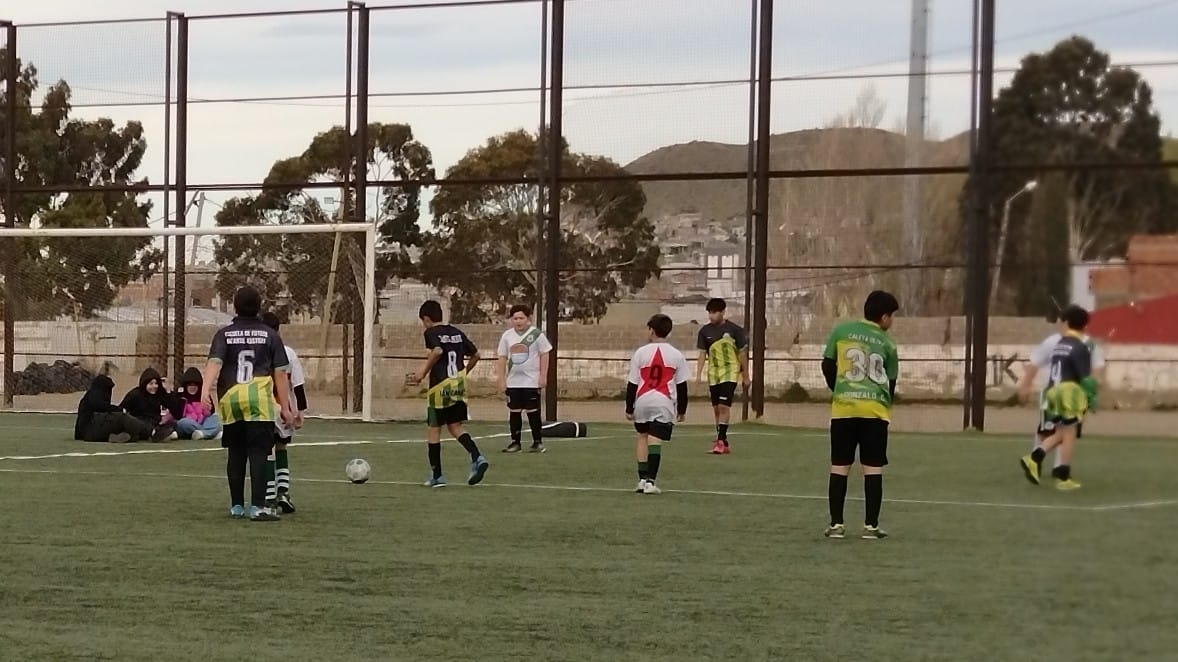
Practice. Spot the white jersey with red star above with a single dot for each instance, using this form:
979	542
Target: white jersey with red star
657	369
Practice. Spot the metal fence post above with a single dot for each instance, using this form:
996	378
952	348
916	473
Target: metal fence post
10	80
180	295
553	240
761	244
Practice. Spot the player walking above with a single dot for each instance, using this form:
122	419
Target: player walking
1069	395
278	471
521	369
248	365
451	357
861	366
723	354
1039	364
656	397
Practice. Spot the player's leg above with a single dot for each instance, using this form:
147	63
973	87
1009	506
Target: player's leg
642	454
722	406
659	432
515	421
715	395
842	455
433	445
455	417
261	447
237	447
282	474
873	455
1063	472
535	422
271	479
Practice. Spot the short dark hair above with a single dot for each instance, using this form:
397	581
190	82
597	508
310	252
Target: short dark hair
660	324
878	304
717	305
1075	317
271	320
247	301
520	308
431	310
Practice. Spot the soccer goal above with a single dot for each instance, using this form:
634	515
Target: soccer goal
80	302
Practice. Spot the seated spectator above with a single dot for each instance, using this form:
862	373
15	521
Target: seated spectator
100	421
148	402
194	423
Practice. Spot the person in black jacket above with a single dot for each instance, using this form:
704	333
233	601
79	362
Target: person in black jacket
99	420
148	402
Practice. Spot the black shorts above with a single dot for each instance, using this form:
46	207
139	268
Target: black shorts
869	435
656	429
722	394
250	434
279	439
523	399
1046	429
455	413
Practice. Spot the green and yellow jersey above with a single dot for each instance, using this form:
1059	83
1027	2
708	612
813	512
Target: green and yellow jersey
723	344
867	364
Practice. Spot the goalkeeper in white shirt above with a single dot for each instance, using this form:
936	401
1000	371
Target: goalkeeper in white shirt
1035	375
522	369
278	471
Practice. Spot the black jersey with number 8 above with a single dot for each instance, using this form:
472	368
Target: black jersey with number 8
447	377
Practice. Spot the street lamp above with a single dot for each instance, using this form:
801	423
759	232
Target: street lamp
1002	232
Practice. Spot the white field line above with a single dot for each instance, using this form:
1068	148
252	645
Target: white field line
620	490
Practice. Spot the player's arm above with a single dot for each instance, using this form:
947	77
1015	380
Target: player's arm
632	389
742	349
471	352
830	364
545	357
681	380
281	377
892	367
218	352
701	365
430	359
298	382
501	363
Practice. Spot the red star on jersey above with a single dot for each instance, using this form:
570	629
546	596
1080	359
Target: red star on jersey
657	375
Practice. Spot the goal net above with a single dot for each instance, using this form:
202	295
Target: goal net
87	301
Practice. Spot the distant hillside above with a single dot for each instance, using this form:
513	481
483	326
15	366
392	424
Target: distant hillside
823	232
810	149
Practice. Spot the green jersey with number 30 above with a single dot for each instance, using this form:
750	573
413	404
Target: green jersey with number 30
867	362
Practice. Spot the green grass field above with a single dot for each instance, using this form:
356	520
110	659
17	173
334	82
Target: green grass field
131	555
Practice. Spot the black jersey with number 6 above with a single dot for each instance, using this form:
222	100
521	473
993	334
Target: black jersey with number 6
249	353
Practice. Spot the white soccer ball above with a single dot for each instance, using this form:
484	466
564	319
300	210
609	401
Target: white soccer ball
358	470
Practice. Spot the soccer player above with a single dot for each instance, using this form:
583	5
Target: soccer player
861	367
278	471
1039	364
522	368
1070	390
723	353
656	397
451	357
248	365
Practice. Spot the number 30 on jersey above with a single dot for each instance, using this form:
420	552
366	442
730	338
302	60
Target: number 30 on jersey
864	365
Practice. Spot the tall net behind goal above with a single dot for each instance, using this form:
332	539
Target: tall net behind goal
87	301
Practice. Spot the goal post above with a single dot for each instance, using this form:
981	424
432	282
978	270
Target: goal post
85	301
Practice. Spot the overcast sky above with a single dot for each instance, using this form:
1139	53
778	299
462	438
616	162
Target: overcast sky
419	53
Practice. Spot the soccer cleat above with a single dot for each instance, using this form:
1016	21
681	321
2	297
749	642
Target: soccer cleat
651	488
237	512
835	531
513	447
262	515
197	435
641	486
873	533
478	469
1067	485
440	481
285	503
717	448
1031	469
538	447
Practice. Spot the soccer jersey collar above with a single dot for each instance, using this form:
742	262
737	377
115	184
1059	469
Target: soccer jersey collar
874	324
1079	335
